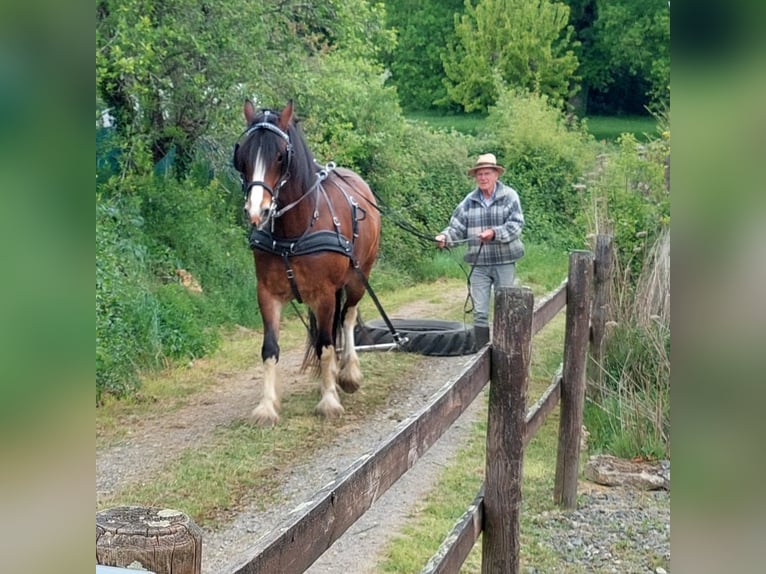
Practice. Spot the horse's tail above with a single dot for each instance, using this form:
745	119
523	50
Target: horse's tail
311	356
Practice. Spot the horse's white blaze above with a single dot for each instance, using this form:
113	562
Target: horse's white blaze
253	203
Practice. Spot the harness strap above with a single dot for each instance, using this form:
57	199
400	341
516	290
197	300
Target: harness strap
291	277
312	243
398	339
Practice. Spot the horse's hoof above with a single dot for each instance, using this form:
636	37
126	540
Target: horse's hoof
348	385
330	408
350	378
265	416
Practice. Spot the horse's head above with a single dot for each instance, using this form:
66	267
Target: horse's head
263	158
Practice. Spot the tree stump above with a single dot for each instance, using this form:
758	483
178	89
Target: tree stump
160	540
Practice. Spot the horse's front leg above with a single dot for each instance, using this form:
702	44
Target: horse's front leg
329	405
267	411
350	376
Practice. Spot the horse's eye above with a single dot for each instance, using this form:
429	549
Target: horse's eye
280	157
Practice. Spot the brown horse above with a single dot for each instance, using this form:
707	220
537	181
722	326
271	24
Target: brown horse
315	236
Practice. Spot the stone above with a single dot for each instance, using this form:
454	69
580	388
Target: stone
610	470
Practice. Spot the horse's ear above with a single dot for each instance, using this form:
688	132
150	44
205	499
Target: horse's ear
249	111
286	116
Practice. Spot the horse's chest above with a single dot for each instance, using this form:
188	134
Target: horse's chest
312	275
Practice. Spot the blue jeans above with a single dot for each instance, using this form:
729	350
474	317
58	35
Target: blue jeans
482	280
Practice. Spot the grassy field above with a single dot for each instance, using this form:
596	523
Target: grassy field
464	123
607	128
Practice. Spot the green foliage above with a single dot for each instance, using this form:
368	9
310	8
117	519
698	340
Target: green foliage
627	199
631	46
148	229
423	30
630	411
181	323
518	43
192	227
544	158
353	119
124	309
631	414
422	187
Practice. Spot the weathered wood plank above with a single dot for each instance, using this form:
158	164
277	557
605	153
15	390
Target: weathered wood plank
318	523
539	412
602	272
548	307
459	543
573	382
511	350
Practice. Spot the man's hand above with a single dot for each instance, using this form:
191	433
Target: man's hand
441	241
487	235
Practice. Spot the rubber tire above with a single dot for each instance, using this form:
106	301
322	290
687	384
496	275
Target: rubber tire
430	337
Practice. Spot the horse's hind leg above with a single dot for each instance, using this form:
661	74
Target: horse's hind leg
267	411
350	376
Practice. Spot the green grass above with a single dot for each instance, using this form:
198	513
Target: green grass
607	128
610	128
470	124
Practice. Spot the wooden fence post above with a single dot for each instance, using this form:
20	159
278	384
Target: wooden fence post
511	345
161	540
602	269
573	382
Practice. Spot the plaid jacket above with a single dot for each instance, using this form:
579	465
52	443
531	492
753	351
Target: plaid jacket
504	215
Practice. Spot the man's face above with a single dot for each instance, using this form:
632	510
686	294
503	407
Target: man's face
486	179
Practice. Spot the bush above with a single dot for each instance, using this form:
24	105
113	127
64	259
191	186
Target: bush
125	335
184	328
544	157
151	230
191	226
628	199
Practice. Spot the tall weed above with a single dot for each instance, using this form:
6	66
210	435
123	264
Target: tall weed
628	413
629	194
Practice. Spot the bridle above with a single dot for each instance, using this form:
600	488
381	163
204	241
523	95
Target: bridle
284	176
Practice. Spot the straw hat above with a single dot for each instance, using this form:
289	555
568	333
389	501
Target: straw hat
487	160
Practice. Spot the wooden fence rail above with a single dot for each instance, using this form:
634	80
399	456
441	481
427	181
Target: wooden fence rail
495	511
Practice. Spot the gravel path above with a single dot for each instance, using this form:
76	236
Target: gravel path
613	530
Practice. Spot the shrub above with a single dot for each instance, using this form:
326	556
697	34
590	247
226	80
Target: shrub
544	157
124	305
628	199
184	328
191	226
148	228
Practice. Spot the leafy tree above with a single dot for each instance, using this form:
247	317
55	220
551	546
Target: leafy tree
520	43
173	72
628	56
423	30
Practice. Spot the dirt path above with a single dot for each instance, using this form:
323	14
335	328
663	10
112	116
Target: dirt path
151	443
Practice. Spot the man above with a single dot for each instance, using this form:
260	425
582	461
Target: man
489	219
